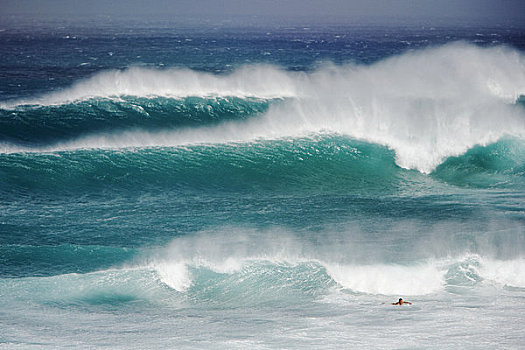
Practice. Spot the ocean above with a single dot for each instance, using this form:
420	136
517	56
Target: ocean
261	186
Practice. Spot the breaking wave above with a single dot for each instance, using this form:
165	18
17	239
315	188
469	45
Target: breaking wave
426	105
324	164
242	271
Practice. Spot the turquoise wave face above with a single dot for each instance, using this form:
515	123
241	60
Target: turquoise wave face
40	125
499	165
323	164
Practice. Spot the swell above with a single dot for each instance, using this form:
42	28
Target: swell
426	105
321	164
41	125
317	165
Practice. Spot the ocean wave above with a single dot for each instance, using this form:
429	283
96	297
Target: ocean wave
426	105
289	261
314	278
262	280
105	288
255	81
320	164
234	266
325	164
47	125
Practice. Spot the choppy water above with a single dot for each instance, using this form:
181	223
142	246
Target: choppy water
261	187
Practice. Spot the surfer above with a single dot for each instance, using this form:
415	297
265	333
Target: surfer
401	302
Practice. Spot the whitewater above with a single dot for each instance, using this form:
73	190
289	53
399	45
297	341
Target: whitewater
278	196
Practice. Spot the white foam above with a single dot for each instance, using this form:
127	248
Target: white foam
389	279
173	274
259	81
504	272
426	105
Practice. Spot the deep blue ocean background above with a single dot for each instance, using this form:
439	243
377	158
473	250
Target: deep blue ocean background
261	186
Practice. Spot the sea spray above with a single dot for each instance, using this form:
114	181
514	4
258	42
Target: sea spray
235	255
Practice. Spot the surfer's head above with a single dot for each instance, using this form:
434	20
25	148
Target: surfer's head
401	302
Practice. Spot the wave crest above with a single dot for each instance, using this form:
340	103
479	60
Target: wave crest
282	261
